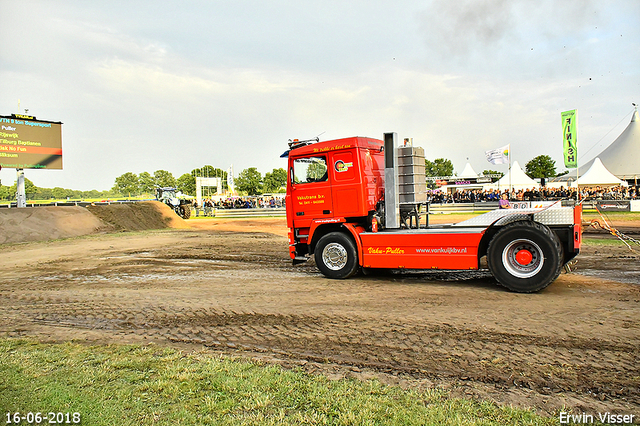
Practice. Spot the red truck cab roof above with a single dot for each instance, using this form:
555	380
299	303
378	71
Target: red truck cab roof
337	144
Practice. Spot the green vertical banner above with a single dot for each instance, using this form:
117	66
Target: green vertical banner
570	138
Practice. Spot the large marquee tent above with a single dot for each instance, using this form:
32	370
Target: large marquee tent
621	158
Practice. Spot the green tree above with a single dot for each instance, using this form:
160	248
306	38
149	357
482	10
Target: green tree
211	172
187	184
127	184
493	172
59	193
43	194
541	167
164	178
439	167
249	181
4	192
29	189
147	183
94	193
274	181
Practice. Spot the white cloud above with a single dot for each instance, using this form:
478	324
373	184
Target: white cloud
143	86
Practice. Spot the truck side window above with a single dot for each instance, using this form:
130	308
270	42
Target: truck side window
310	169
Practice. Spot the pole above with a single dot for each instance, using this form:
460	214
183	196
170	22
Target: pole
510	189
577	162
21	196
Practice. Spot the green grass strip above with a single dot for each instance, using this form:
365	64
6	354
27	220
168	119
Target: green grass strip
604	242
151	385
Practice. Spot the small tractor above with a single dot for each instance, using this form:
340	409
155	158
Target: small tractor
168	196
354	205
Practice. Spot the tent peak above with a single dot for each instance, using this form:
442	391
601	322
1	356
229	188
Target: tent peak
468	171
598	174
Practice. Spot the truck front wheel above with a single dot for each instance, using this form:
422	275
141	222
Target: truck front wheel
336	255
525	256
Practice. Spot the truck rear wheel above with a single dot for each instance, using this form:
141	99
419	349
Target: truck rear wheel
525	256
336	255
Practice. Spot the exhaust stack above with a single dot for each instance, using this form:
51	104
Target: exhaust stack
391	201
405	188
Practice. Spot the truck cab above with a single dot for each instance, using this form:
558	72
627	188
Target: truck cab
332	182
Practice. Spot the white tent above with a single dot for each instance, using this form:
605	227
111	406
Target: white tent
468	172
599	175
518	180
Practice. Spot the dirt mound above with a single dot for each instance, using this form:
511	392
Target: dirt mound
138	216
47	223
50	223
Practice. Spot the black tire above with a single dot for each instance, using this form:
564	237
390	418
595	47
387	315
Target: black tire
185	211
336	256
525	256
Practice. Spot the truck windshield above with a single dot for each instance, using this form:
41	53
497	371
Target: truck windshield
310	169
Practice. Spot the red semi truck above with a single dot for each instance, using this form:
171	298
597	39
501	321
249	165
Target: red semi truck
356	204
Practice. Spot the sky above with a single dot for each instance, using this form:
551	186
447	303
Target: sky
149	85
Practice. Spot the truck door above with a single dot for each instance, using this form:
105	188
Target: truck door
346	186
310	190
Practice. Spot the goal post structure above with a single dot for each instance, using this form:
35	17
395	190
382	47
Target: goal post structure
207	182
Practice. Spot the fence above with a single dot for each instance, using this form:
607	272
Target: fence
281	212
231	213
71	203
433	209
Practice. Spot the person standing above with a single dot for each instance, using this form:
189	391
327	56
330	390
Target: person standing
504	202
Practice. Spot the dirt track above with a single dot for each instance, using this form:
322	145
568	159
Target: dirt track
229	286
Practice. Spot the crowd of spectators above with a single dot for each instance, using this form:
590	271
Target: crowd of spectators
534	194
208	205
441	197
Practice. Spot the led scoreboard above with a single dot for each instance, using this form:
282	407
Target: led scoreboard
27	143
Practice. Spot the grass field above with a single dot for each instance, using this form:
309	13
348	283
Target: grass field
133	385
613	216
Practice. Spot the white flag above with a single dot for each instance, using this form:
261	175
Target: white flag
230	182
498	156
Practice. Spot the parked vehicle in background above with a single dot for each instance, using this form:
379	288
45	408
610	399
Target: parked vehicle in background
170	197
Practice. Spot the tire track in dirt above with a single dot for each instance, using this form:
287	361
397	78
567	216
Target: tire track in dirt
547	365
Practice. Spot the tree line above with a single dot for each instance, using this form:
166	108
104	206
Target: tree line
8	193
249	181
541	166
